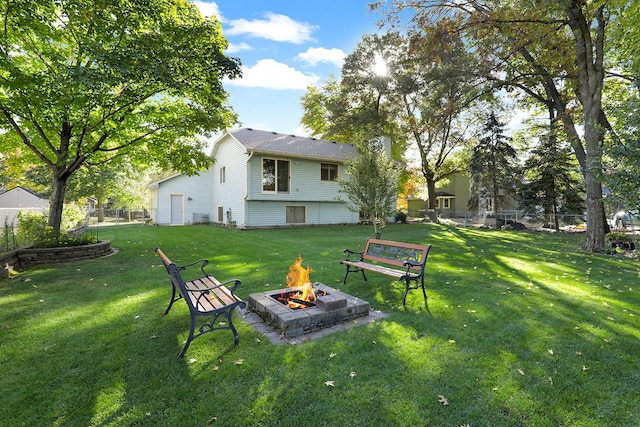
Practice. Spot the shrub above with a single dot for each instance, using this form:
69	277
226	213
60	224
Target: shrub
51	239
616	235
31	225
401	216
33	228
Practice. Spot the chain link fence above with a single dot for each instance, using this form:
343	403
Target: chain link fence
512	218
118	216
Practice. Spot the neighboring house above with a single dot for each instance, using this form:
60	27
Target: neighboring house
17	199
259	179
451	199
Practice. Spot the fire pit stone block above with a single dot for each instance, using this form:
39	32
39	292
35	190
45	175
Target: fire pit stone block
331	302
293	323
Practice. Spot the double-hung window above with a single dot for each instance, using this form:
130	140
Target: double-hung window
328	172
275	176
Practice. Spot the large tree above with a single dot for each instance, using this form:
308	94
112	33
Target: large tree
417	97
85	81
551	51
361	103
551	184
493	165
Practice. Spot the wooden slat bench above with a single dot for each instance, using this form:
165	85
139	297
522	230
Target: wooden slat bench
205	296
379	255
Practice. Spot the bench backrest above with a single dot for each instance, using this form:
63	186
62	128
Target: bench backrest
395	253
173	271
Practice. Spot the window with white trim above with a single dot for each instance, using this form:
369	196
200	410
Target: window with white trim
275	176
328	172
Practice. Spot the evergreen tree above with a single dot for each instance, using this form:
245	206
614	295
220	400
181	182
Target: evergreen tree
552	186
492	165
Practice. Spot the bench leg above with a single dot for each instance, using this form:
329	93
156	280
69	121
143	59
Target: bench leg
190	338
210	326
406	291
173	299
421	285
354	270
233	328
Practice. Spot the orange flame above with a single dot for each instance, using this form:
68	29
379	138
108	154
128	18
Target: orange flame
298	277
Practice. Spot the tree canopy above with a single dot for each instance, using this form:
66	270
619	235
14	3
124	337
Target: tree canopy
85	81
552	53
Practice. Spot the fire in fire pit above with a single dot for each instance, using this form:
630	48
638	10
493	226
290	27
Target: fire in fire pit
303	294
304	307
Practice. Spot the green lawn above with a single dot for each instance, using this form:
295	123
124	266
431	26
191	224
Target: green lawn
525	331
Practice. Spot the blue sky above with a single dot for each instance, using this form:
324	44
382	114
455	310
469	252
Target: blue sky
284	45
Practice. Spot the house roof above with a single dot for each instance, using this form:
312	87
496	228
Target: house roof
19	187
275	143
444	194
157	183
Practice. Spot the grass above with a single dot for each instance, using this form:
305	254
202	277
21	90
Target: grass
525	331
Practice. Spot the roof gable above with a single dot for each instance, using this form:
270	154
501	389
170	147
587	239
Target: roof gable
20	188
275	143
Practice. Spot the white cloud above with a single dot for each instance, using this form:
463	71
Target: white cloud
275	27
301	131
238	47
270	74
208	9
314	55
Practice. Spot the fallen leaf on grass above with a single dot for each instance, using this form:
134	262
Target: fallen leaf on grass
352	374
239	362
329	383
192	360
584	368
550	351
520	371
153	337
443	400
332	355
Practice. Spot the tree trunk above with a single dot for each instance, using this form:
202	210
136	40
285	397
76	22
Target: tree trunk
100	211
56	204
589	61
431	189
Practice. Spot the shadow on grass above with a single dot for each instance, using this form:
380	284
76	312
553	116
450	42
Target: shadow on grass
525	331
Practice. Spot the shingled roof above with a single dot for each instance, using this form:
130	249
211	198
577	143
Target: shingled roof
274	143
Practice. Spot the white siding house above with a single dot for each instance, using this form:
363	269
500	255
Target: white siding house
182	199
17	199
261	179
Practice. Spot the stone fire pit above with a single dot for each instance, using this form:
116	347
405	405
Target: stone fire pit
331	307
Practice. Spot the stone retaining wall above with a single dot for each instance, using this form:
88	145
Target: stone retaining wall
23	258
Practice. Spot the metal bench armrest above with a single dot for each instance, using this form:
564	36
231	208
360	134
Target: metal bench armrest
203	263
349	253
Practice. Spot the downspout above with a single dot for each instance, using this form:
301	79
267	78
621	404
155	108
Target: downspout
246	197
